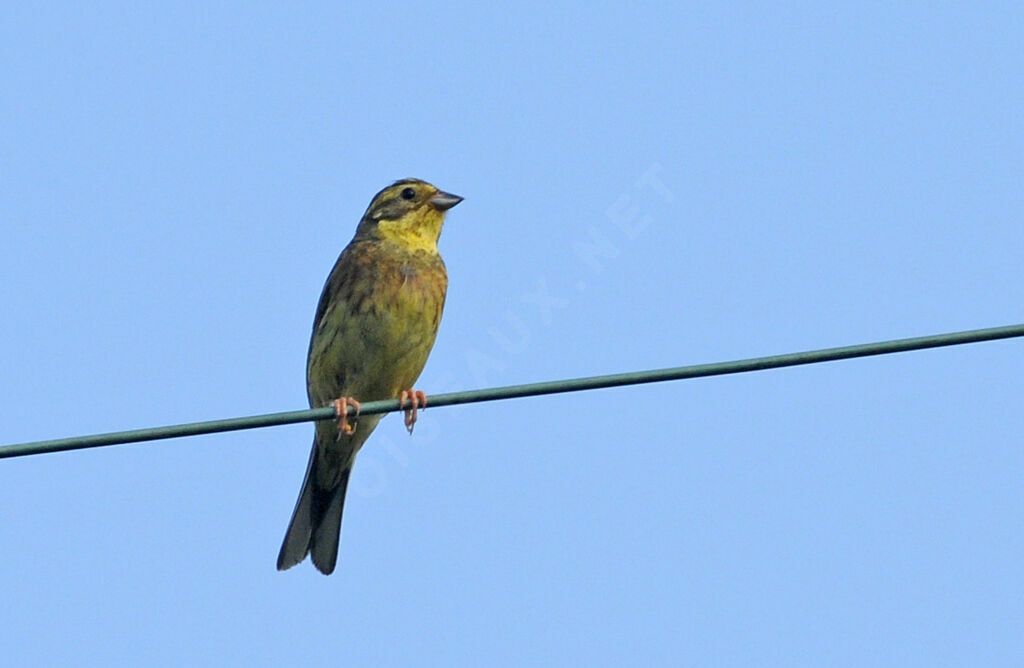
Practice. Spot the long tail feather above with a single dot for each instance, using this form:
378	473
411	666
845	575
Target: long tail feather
316	521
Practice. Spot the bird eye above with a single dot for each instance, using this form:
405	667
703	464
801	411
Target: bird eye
409	193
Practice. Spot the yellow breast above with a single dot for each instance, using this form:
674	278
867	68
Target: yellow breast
376	330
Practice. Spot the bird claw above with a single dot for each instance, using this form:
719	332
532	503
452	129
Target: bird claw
341	414
417	400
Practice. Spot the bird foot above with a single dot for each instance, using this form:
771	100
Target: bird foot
341	414
417	400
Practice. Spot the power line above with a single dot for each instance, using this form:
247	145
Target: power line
516	391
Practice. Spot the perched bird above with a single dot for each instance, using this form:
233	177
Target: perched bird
374	327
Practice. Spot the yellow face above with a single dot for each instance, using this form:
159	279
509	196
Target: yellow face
409	211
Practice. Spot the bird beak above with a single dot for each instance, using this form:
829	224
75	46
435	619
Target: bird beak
443	201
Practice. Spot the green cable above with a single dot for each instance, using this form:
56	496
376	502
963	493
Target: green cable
515	391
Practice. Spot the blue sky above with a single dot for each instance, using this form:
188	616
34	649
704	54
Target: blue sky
645	187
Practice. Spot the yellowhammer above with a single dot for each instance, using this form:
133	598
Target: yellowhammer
374	327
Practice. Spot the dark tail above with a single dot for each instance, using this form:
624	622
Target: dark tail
316	522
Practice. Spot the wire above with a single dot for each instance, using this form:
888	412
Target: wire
516	391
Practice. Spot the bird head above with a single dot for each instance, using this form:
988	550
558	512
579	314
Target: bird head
409	211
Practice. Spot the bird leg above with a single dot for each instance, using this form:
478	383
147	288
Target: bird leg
416	400
341	414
